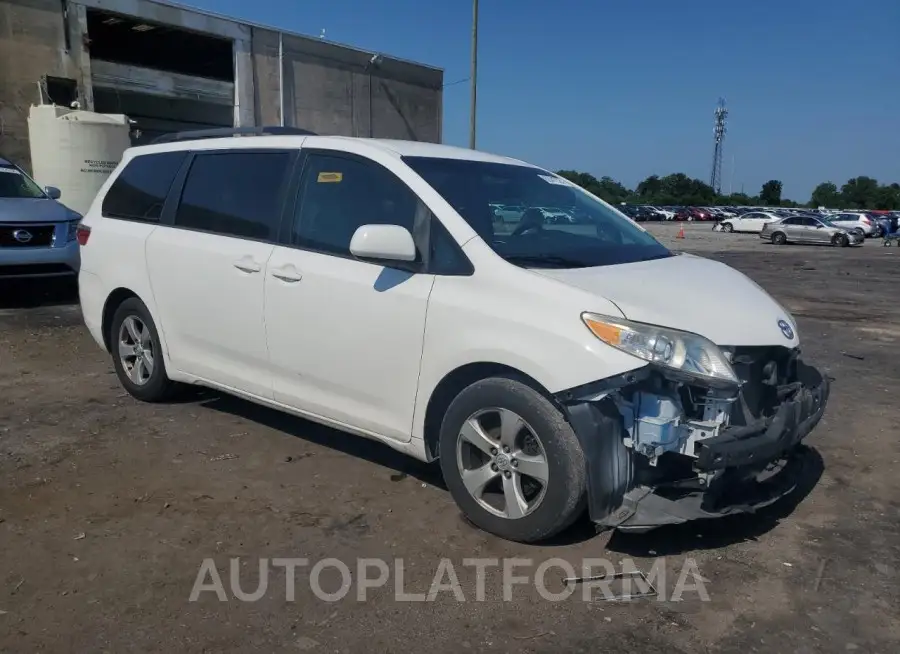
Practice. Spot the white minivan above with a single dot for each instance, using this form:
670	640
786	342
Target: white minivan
551	366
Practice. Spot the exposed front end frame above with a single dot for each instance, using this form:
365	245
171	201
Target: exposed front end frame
663	449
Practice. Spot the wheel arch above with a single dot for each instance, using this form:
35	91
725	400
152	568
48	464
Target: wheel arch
113	301
452	384
115	298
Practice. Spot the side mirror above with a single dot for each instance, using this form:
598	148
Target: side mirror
52	192
383	243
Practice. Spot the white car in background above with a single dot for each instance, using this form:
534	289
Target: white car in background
667	214
852	220
365	284
751	222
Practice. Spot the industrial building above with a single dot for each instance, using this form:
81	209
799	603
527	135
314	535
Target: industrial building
171	68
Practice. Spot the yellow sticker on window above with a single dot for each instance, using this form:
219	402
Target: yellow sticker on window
330	177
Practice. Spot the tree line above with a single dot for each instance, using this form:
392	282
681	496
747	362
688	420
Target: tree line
680	190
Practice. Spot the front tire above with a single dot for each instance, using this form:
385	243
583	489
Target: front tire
778	238
840	240
511	461
137	353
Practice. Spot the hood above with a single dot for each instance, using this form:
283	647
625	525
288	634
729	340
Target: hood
34	210
688	293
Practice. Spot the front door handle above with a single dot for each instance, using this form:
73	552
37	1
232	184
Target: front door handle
248	265
287	274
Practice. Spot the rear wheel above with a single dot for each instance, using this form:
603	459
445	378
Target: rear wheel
778	238
727	227
511	461
137	354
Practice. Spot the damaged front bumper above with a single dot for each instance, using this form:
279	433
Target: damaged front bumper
749	463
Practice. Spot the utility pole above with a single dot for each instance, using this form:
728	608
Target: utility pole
715	177
474	75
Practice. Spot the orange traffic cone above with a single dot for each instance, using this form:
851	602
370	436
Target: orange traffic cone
680	232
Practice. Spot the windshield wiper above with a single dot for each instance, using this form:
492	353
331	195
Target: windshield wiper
546	261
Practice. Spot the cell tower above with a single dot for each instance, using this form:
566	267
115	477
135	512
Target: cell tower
715	178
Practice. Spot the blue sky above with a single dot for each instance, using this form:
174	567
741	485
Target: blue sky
627	88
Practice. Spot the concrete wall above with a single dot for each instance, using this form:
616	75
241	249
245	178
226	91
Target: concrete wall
266	80
331	89
328	88
32	44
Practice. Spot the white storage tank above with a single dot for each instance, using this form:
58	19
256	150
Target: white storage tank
75	150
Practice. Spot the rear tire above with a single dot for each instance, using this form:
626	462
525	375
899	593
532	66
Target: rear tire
727	227
778	238
137	353
495	476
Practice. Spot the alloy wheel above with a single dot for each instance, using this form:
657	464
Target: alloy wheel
136	350
502	463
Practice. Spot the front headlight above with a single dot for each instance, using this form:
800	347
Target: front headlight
682	351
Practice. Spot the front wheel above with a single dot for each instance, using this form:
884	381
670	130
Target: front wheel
511	461
840	240
778	238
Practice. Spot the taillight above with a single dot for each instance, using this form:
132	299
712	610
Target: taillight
82	234
867	220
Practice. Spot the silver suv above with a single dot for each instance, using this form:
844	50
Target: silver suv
37	233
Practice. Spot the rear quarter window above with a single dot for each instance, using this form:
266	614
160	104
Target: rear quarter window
140	190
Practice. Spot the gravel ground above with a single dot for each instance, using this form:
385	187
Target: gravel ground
108	508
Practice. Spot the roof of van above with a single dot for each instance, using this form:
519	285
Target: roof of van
397	148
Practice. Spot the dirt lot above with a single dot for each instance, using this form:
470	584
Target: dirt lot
108	507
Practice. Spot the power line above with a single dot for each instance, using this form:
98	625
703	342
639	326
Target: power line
459	81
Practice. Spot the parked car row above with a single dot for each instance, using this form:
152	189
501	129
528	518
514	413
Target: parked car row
751	219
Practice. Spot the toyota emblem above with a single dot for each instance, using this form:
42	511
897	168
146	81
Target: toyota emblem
22	236
786	329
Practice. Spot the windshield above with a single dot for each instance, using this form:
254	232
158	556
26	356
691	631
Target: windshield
13	184
545	221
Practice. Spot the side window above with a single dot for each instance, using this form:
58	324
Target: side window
791	221
140	190
234	193
339	194
810	222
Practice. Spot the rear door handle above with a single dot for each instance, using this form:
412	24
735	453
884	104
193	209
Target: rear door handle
248	265
287	273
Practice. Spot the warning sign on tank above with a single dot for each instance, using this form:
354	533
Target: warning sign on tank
98	166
